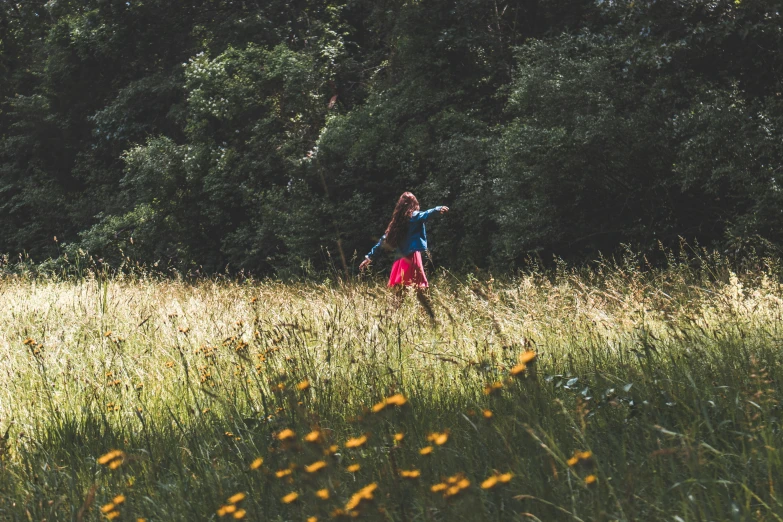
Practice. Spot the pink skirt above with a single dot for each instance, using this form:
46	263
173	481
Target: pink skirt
408	271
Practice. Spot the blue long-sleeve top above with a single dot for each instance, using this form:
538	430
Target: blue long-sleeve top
415	240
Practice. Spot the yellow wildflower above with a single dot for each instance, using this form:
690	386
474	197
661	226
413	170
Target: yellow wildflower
256	463
113	454
238	497
425	450
366	493
580	457
323	494
291	497
527	357
356	442
496	479
315	466
490	483
397	399
518	370
286	434
493	388
314	436
450	492
459	483
353	468
438	438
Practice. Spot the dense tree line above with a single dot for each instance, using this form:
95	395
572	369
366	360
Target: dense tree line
268	135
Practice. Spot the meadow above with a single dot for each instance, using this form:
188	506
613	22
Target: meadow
613	392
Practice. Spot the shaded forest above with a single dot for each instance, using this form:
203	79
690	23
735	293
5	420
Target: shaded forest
274	135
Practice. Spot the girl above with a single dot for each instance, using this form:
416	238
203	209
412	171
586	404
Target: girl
408	237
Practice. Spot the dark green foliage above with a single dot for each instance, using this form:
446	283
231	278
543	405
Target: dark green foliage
267	135
628	135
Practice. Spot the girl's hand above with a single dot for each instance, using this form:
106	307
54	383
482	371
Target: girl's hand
443	210
364	264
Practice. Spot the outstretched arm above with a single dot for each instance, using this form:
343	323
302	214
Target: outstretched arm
368	257
424	216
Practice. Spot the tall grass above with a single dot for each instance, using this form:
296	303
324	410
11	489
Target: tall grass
654	395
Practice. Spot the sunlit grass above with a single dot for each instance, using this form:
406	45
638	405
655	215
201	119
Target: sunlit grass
612	393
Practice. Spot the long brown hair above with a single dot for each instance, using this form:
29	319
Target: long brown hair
398	226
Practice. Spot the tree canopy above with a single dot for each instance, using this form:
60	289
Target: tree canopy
270	135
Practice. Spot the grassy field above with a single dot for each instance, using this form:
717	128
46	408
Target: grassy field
645	395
